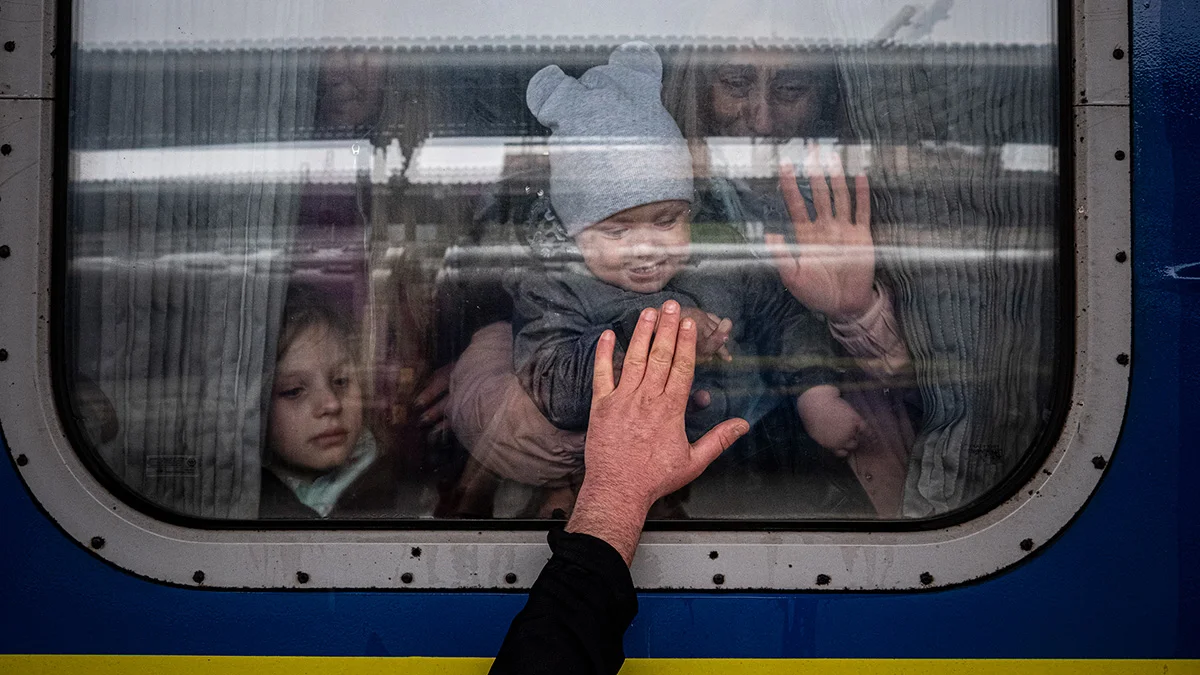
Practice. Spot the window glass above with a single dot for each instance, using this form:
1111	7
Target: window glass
348	260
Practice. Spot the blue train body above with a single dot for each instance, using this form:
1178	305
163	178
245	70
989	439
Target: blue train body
1121	581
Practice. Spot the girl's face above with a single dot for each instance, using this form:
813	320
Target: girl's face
756	95
316	403
639	249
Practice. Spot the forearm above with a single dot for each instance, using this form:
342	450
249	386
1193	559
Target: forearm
874	339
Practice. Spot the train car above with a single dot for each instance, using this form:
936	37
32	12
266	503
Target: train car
188	188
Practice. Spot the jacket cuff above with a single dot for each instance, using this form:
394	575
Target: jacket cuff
599	558
874	337
868	322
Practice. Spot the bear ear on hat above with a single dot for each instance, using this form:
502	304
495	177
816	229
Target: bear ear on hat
638	56
541	87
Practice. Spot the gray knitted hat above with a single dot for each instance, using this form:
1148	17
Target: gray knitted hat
613	146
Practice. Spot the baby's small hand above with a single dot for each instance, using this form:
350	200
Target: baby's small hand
830	420
712	334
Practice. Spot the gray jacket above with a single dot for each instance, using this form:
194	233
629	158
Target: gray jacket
779	348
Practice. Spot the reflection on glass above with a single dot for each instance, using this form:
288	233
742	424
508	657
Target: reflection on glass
335	264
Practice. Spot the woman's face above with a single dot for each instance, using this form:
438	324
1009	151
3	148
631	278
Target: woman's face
757	95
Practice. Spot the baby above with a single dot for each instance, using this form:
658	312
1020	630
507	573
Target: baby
320	460
621	184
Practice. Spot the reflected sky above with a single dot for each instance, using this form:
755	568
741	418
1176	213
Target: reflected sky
153	23
465	160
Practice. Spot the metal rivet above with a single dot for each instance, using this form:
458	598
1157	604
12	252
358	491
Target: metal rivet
5	251
416	551
3	354
718	579
1119	155
302	577
823	579
1121	256
926	578
1026	544
406	577
713	555
22	460
1118	53
1099	462
10	46
1123	359
5	149
510	578
97	543
198	577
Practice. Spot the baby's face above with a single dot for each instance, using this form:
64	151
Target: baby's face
316	403
638	249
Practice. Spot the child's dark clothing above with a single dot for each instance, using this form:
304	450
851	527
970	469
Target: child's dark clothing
779	348
371	492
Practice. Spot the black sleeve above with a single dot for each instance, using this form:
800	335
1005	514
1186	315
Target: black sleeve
577	613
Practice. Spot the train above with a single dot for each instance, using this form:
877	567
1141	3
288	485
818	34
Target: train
169	170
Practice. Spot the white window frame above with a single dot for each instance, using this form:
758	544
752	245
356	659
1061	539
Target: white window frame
862	561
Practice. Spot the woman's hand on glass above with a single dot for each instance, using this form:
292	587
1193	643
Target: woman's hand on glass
831	269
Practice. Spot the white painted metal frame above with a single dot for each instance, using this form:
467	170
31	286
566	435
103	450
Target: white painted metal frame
84	509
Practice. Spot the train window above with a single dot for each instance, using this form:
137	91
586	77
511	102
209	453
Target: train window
318	278
342	267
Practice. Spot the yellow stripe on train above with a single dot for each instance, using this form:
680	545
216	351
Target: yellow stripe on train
55	664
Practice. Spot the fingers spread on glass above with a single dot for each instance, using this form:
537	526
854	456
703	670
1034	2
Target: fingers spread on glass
862	201
683	364
820	188
602	369
634	365
831	267
662	353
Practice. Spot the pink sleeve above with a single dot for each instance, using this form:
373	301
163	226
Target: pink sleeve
874	339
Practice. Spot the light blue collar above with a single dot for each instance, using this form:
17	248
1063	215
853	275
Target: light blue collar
321	494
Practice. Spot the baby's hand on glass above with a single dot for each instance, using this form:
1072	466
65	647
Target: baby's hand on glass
830	420
712	334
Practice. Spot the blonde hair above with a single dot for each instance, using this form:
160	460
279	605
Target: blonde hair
683	95
305	308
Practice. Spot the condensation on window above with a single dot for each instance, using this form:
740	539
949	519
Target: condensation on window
342	261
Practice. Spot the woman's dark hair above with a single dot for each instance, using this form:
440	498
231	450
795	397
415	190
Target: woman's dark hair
305	308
